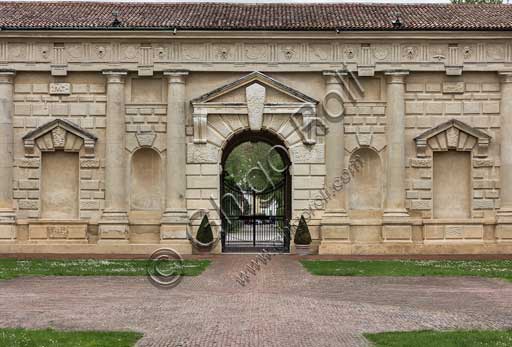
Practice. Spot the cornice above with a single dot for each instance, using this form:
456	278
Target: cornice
292	35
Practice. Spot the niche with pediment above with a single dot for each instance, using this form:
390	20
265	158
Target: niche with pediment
59	144
448	150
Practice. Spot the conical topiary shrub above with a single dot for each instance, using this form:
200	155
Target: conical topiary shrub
302	235
205	234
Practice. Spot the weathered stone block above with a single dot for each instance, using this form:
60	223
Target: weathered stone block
78	109
422	184
335	232
491	107
419	163
396	232
471	107
454	231
28	163
89	163
473	232
490	87
453	107
28	184
97	109
434	232
483	163
421	204
7	232
482	204
415	87
504	232
22	109
434	107
28	204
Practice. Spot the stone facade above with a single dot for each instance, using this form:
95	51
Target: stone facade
112	141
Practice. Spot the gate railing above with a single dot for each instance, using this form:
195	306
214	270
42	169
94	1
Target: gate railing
252	220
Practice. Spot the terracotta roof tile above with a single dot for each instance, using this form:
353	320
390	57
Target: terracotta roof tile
223	16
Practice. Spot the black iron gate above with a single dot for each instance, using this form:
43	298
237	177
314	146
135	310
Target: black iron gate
253	221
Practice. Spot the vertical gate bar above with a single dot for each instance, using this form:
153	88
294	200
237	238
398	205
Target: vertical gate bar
254	218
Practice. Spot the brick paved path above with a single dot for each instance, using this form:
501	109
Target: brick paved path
282	306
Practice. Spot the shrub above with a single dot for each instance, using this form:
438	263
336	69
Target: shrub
302	235
205	234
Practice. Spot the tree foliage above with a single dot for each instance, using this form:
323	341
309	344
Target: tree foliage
254	165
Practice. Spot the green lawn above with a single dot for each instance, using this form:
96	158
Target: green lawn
431	338
483	268
52	338
10	268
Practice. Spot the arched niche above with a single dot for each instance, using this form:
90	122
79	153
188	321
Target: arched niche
146	180
365	190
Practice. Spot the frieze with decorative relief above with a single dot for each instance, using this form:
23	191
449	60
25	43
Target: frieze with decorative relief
291	51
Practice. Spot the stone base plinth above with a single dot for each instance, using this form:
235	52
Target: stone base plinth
438	231
335	232
173	232
113	232
77	249
504	232
397	233
56	231
7	232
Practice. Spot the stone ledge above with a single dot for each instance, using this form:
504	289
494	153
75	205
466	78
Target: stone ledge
342	248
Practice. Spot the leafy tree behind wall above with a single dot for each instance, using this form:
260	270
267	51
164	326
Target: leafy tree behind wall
249	164
476	1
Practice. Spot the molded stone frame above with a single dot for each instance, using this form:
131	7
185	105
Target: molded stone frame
459	136
256	85
59	134
217	118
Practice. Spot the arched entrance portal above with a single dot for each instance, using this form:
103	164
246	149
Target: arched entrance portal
255	193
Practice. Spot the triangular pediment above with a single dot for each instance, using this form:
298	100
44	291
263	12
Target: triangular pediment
235	92
59	134
452	134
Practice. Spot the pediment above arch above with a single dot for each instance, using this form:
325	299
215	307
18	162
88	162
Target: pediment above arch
255	95
60	134
455	135
234	92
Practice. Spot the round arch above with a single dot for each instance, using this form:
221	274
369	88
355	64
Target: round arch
247	135
251	219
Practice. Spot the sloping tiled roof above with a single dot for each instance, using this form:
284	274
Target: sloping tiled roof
223	16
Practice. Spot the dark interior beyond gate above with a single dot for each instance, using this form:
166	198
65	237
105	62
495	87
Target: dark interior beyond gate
255	194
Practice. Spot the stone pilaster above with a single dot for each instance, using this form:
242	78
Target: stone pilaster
334	221
504	214
395	218
174	218
7	213
395	174
114	222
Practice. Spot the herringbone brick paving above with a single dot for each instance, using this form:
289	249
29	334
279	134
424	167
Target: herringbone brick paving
282	305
